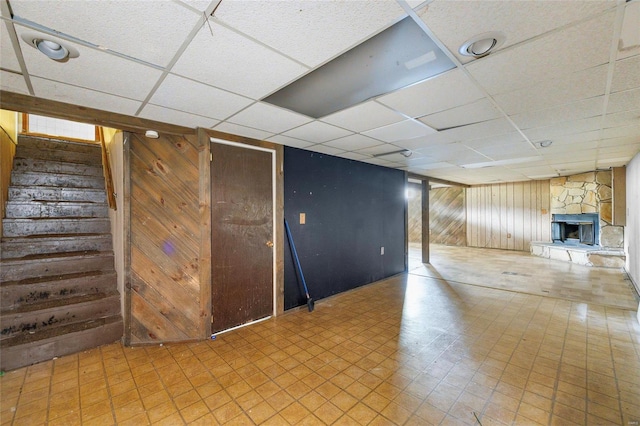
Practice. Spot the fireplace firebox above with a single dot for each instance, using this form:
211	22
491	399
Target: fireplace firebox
575	228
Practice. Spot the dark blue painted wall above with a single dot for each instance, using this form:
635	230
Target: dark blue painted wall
352	209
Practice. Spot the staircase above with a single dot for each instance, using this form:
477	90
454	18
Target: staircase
57	277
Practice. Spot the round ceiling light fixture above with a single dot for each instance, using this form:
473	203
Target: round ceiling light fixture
482	44
53	48
545	144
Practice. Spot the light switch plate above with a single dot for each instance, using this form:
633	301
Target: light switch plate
303	218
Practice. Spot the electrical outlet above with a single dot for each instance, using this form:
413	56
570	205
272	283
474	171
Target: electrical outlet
381	251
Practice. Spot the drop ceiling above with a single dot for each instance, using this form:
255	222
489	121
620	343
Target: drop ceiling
563	74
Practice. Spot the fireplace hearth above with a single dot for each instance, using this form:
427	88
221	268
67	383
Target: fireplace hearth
575	229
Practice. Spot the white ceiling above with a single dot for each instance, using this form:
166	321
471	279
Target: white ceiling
561	75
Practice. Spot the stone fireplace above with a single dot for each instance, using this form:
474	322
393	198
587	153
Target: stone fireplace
582	229
588	193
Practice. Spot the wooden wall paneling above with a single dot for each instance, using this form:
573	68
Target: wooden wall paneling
425	221
545	209
470	218
619	183
503	215
526	214
510	216
518	221
126	206
279	229
494	215
448	224
165	280
8	150
204	209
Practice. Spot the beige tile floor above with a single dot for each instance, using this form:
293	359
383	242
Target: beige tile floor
522	272
408	350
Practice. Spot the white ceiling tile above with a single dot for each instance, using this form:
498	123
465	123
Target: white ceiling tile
418	143
158	31
481	130
200	5
431	166
176	92
317	132
565	149
456	22
269	118
555	91
577	110
8	59
13	82
248	132
93	69
478	111
625	118
324	149
180	118
614	132
407	129
365	116
627	100
616	162
445	91
564	128
503	139
309	31
232	62
619	141
547	57
286	140
354	156
380	149
353	142
381	162
84	97
626	74
504	152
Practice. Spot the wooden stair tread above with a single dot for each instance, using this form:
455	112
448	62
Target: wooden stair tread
69	329
56	303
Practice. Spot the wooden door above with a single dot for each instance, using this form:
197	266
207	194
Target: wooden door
242	234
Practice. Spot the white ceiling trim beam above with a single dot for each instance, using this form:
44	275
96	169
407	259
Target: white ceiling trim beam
613	53
6	11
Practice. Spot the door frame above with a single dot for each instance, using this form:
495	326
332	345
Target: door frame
275	247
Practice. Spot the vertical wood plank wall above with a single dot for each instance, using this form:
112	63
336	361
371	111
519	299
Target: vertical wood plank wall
165	214
509	215
447	216
7	152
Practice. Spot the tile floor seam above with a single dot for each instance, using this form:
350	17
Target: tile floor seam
503	372
557	378
615	377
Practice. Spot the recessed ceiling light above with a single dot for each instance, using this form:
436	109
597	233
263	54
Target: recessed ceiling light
53	48
482	44
545	143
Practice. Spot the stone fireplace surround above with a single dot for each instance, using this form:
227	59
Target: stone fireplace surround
578	194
